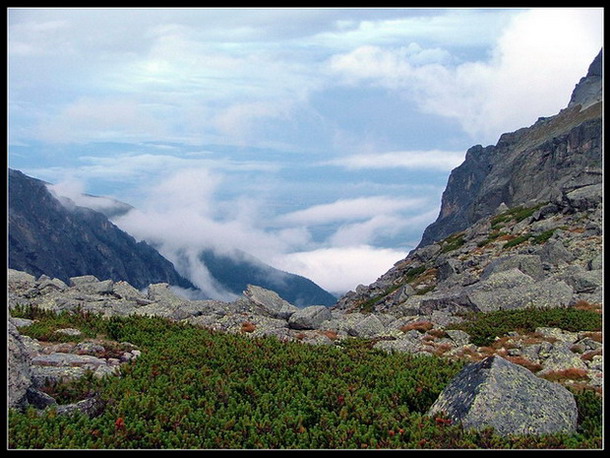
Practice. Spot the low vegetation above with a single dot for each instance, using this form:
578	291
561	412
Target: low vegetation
484	327
514	215
453	242
197	389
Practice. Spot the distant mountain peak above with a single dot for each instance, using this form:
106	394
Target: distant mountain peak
588	91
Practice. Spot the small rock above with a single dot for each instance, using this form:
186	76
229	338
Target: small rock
67	359
21	322
91	407
560	358
88	348
460	338
559	334
69	331
39	399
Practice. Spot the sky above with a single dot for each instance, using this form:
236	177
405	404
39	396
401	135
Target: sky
319	140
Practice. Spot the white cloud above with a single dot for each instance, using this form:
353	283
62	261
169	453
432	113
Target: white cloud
536	62
145	168
98	119
36	38
366	232
350	209
241	121
416	160
74	190
460	27
340	269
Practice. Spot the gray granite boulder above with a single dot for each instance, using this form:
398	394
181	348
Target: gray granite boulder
368	327
529	264
509	398
270	302
91	285
309	317
585	197
491	295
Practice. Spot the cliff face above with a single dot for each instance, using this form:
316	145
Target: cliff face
520	224
46	237
538	163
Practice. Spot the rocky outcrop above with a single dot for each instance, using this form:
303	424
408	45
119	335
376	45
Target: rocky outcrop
543	256
588	91
507	397
34	365
539	163
270	302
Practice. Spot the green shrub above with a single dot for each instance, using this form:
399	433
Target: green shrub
198	389
414	272
515	214
484	327
493	236
453	242
516	241
543	237
47	323
589	405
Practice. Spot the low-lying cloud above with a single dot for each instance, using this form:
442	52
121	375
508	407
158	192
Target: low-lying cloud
350	209
412	160
340	269
182	214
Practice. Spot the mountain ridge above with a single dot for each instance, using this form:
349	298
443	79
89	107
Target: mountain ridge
46	236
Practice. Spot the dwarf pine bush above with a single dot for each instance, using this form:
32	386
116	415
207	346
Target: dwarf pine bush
198	389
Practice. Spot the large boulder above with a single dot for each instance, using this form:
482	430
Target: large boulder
510	290
529	264
89	284
509	398
585	197
270	302
309	317
368	327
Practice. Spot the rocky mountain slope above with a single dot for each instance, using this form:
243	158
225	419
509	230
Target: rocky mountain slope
63	240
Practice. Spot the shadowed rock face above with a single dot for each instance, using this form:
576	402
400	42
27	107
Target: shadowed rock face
497	393
45	237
